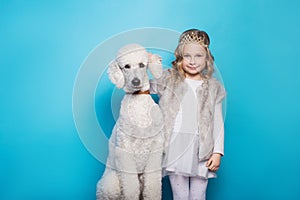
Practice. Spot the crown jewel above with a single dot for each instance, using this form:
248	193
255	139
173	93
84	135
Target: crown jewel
192	37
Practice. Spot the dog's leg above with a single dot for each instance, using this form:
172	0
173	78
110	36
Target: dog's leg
153	177
109	186
152	186
129	181
130	186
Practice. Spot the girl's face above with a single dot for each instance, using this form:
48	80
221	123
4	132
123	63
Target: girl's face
194	60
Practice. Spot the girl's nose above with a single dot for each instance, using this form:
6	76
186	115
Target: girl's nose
192	61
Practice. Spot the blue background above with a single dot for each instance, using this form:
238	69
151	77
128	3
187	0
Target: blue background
42	45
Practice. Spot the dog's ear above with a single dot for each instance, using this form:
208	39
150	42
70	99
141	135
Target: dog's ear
155	65
116	75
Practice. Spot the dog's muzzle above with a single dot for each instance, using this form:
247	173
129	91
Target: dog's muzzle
136	82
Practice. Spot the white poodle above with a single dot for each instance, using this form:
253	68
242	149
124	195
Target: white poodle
133	168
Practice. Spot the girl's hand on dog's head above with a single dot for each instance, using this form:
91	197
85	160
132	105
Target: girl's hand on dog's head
154	58
149	56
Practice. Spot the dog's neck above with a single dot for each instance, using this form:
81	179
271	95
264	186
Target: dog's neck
142	92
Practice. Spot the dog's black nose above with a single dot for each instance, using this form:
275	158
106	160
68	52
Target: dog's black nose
136	82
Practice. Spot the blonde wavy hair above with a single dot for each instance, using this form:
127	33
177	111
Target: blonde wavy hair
198	37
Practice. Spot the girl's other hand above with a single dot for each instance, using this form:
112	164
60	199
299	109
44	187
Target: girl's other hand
213	164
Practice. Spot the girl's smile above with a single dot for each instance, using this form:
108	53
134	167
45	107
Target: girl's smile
192	67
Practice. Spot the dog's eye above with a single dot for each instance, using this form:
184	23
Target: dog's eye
141	65
127	66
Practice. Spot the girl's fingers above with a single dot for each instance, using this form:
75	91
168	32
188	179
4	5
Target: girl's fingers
212	165
214	169
209	162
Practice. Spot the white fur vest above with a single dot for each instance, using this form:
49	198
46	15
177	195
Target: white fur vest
171	89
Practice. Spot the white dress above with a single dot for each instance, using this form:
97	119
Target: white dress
182	153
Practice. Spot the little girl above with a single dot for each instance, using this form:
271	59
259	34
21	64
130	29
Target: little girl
191	101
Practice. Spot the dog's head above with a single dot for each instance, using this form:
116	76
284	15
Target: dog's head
129	69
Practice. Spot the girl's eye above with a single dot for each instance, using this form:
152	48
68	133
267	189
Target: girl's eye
199	55
127	66
186	56
141	65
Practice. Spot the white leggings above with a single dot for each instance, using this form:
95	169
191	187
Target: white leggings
188	188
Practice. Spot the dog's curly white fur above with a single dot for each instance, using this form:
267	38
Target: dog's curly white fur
133	168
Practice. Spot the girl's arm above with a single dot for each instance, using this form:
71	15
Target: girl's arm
218	133
214	162
158	85
154	63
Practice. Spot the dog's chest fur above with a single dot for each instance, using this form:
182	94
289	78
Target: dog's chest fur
140	123
137	108
139	128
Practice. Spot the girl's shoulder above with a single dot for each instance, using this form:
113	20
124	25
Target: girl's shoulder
216	86
168	72
171	73
170	78
214	82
